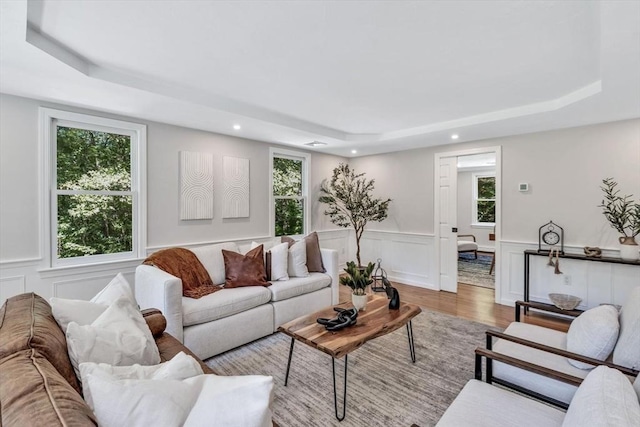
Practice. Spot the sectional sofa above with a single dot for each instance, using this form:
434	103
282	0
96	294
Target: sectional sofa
232	317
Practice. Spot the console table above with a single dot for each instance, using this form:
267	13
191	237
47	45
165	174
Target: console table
527	255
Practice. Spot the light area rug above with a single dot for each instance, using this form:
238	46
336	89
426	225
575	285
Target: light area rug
384	387
475	271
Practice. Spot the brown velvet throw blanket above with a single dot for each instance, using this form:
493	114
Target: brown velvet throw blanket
185	265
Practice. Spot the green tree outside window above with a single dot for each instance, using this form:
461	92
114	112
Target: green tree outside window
288	196
486	199
94	199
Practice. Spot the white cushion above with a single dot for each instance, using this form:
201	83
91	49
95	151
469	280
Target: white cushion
593	334
224	303
180	367
605	398
482	405
82	312
197	401
298	259
211	258
549	387
464	245
117	287
636	386
627	350
279	262
298	286
119	336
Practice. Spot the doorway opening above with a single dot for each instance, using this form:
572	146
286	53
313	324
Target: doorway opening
481	219
476	214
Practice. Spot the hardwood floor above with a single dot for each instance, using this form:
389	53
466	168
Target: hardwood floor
471	303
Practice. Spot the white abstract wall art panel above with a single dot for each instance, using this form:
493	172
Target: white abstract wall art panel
236	187
196	185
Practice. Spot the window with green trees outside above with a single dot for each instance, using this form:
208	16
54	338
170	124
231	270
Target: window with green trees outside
288	195
485	199
93	192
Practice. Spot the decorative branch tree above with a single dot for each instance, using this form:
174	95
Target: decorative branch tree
351	202
621	211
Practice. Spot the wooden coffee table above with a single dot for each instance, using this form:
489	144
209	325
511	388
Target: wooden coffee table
377	320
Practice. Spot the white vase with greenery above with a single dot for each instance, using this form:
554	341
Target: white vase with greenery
624	215
358	278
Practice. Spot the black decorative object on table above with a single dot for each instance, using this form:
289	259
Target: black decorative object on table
345	317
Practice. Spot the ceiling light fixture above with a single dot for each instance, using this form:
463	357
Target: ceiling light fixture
455	136
315	144
354	151
237	127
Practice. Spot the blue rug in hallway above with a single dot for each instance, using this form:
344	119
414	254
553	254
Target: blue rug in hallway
476	271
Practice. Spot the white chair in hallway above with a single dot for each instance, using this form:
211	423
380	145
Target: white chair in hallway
467	245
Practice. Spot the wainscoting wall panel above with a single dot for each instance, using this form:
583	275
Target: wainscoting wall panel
594	282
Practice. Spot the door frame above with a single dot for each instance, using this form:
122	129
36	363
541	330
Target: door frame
497	150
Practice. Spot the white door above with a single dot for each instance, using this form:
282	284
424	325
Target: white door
448	192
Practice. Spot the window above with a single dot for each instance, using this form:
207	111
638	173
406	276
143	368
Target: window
289	201
95	181
484	203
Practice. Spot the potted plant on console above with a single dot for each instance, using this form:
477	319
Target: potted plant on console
624	215
358	279
351	202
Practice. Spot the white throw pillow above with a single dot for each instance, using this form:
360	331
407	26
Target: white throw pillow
243	401
181	367
117	287
627	351
131	403
119	336
82	312
605	398
210	256
279	262
202	400
593	334
297	260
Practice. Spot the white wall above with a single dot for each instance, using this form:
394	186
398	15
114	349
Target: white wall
21	267
564	169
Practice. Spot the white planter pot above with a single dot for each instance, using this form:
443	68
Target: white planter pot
629	249
359	301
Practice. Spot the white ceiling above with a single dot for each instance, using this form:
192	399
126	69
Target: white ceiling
371	76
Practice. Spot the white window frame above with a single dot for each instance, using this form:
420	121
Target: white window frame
49	119
474	204
306	167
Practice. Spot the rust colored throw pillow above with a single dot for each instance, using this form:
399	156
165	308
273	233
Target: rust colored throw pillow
184	264
314	257
244	270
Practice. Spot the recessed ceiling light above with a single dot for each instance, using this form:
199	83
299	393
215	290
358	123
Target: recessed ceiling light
315	144
455	136
354	151
237	127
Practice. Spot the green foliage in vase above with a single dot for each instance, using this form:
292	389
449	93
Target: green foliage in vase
358	278
351	202
90	224
621	211
287	189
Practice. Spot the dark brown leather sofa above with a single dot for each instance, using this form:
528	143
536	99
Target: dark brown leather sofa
38	386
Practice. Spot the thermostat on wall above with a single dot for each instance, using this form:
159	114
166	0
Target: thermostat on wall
523	187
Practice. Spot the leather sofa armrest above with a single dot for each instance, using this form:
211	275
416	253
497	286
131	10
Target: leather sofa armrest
155	320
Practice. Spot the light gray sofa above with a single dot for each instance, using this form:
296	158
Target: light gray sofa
232	317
